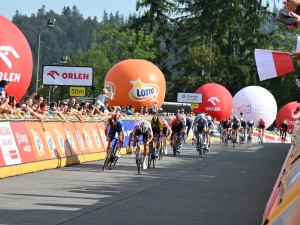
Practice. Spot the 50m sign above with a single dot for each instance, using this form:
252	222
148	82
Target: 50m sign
77	91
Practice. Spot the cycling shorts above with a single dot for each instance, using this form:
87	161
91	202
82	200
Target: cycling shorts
144	135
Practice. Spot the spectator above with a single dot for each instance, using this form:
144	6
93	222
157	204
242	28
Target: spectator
130	110
38	99
52	110
102	97
71	102
154	107
3	86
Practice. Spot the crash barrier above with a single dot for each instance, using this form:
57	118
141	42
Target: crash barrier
26	146
284	203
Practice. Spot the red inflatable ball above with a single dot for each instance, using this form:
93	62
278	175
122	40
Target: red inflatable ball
15	59
135	82
216	101
286	113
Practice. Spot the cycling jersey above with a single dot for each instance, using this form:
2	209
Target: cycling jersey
159	125
235	124
114	128
284	126
261	125
250	124
201	125
243	124
136	127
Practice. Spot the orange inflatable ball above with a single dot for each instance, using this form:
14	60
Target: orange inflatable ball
135	82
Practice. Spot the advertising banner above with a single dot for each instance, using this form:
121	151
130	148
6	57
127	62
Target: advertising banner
38	140
85	130
8	145
23	142
74	139
97	137
189	97
57	140
101	128
85	137
68	75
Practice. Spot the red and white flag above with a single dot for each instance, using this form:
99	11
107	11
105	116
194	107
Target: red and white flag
298	47
272	64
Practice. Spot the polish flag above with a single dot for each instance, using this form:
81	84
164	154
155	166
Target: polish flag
272	64
298	47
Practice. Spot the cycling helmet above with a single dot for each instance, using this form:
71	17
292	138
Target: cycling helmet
251	121
284	122
242	119
115	118
155	119
178	118
208	118
235	117
201	116
143	127
226	121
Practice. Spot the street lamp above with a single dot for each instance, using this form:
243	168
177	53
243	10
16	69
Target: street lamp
50	23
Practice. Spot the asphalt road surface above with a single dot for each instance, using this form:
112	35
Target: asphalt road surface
226	186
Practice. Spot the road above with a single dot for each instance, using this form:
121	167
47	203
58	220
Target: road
226	186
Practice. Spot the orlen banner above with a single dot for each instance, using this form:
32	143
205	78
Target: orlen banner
286	113
255	103
15	59
68	75
216	101
136	82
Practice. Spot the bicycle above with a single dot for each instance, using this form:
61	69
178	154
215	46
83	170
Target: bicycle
283	134
260	138
200	145
183	137
224	138
111	158
175	144
242	136
233	137
249	138
139	157
152	153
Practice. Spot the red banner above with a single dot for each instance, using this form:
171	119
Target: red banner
23	142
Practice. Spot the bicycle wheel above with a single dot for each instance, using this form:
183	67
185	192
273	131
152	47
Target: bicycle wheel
138	160
115	159
233	140
107	159
160	150
174	146
200	145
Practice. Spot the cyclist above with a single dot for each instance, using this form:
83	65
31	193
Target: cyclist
210	128
181	113
141	128
226	127
114	125
243	127
201	128
189	124
157	128
167	131
261	125
283	128
177	127
250	124
236	125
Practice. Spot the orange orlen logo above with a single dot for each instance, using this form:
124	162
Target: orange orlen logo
142	91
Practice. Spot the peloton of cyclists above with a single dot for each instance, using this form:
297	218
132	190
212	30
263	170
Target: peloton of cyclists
114	125
157	128
141	128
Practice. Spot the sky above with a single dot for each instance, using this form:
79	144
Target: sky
86	7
